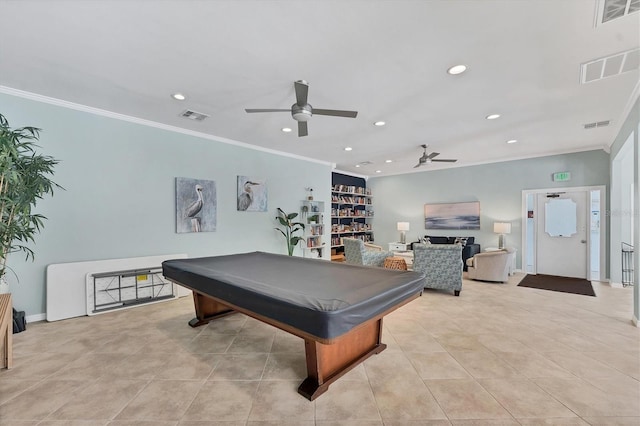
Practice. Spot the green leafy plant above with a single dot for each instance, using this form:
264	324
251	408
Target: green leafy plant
24	179
290	228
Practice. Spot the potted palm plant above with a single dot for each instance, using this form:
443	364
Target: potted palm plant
24	179
290	228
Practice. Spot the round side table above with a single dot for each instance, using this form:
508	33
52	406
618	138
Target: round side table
395	262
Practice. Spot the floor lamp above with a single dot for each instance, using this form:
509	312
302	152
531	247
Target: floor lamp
403	227
502	228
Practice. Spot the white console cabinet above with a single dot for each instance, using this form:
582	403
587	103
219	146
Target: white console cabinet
398	246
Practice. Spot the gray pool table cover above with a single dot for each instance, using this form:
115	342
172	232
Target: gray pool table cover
324	299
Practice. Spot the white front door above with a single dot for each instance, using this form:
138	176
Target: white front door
561	238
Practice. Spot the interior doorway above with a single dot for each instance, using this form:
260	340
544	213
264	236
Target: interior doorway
563	231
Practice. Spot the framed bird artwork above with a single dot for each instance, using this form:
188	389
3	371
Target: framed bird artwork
252	194
196	205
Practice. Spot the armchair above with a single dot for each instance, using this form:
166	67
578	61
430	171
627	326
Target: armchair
489	266
442	265
356	252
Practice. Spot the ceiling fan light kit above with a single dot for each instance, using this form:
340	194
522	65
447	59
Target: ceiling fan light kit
429	158
302	111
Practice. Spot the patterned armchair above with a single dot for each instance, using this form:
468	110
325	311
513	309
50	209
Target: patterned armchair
442	265
357	253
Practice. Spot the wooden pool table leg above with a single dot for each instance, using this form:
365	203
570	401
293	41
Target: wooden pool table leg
327	363
207	310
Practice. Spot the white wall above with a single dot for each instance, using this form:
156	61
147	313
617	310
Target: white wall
119	197
620	214
629	134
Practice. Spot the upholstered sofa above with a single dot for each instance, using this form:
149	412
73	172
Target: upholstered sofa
441	264
357	252
469	248
490	266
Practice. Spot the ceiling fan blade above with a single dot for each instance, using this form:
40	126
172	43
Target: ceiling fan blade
335	112
266	110
445	161
302	128
433	154
302	90
418	165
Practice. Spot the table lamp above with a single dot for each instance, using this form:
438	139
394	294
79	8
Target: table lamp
501	228
403	227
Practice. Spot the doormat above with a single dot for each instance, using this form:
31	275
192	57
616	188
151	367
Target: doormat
555	283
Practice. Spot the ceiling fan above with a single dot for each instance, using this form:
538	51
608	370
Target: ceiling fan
426	159
301	111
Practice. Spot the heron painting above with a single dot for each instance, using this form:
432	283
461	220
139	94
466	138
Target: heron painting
196	205
252	194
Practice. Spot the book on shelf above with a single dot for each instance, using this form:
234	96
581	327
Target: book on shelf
351	189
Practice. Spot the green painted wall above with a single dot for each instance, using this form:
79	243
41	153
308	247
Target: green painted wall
498	187
119	197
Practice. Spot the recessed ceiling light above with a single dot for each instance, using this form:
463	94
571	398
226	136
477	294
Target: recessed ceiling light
388	161
286	129
357	165
348	148
492	116
378	171
457	69
379	123
512	141
178	96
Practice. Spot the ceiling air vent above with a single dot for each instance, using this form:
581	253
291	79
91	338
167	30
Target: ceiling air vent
608	10
597	124
193	115
609	66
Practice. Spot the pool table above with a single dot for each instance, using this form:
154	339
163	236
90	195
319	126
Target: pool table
336	308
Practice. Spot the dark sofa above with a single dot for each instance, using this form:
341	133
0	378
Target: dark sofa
469	248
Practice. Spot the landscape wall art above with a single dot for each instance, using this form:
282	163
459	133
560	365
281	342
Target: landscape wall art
452	216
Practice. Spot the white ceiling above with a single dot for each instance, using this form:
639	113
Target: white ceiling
385	59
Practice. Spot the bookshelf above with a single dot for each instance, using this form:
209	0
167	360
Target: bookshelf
312	215
351	214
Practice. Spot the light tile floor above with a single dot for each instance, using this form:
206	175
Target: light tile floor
497	355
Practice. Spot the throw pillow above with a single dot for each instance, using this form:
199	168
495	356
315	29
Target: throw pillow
461	240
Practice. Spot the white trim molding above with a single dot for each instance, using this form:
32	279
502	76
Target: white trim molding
149	123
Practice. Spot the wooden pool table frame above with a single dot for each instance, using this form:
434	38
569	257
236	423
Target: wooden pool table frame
327	359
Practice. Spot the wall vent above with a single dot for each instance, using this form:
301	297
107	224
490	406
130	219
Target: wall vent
193	115
609	66
597	124
609	10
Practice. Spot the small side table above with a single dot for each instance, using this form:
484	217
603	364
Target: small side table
6	331
407	256
398	246
395	262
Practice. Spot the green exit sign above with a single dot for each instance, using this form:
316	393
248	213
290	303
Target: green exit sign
561	176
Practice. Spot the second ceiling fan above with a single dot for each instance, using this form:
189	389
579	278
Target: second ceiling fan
429	158
302	111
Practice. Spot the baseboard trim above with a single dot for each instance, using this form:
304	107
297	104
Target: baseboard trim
35	318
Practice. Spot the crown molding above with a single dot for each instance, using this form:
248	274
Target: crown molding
122	117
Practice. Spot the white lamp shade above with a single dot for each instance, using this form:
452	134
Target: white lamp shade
502	227
403	226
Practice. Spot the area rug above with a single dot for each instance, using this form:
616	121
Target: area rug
555	283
